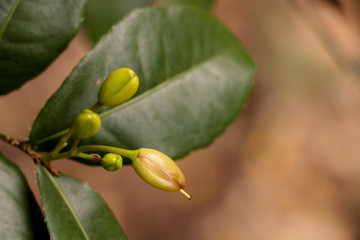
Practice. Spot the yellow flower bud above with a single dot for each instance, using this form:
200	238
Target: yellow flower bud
87	124
112	162
118	87
159	170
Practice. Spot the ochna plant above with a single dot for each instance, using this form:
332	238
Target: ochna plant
162	82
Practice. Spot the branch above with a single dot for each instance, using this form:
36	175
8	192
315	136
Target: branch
26	148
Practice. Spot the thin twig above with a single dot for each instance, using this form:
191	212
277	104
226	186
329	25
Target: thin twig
26	148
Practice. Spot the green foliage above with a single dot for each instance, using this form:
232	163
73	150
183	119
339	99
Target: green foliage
32	34
84	214
194	78
20	215
100	16
205	4
185	59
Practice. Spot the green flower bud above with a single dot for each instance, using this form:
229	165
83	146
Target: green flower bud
159	170
112	162
86	124
118	87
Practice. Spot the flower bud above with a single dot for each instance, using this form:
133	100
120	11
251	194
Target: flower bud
112	162
118	87
87	124
159	170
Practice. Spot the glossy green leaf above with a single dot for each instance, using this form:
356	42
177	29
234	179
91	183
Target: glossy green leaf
100	16
32	34
205	4
194	80
20	215
73	210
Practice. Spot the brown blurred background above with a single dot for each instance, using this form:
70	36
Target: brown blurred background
287	169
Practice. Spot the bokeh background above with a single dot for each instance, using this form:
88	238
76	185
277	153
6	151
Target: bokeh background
287	169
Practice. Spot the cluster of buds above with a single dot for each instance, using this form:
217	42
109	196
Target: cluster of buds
154	167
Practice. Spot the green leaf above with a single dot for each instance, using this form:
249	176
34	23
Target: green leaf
73	210
100	16
205	4
20	215
194	80
32	34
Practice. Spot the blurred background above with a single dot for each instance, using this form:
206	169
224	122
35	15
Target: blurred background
287	169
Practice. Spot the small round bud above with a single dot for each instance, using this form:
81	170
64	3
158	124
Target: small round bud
87	124
159	170
112	162
118	87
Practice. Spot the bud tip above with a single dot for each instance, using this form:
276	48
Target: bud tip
185	193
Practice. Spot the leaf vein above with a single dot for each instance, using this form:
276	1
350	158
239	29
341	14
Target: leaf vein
162	85
57	187
8	18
